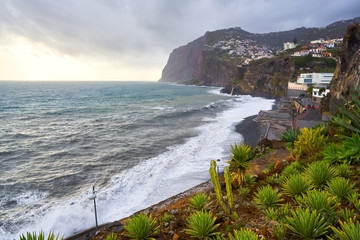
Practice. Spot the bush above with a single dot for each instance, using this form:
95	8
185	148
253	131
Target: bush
166	218
293	168
306	224
349	152
141	226
354	199
244	191
267	197
349	230
240	155
111	236
201	225
243	234
346	214
291	135
249	180
309	142
340	187
344	171
318	200
350	118
41	236
330	153
295	185
198	201
319	173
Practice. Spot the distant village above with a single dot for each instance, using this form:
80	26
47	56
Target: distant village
250	50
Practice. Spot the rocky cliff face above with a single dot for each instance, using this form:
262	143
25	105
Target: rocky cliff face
347	74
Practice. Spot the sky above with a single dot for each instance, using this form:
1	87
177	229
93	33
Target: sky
132	39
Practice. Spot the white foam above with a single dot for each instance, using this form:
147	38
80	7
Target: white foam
153	180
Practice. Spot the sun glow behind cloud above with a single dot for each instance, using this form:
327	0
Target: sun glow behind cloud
22	59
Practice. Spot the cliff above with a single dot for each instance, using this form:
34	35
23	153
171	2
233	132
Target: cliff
347	74
204	62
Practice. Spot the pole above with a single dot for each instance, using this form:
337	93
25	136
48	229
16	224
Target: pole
96	222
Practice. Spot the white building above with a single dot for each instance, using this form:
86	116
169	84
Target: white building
315	79
289	45
316	96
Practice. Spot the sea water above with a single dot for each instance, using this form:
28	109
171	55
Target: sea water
138	143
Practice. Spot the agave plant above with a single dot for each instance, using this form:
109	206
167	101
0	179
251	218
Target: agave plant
344	171
346	214
41	236
349	230
249	180
240	155
330	153
244	191
296	185
293	168
306	224
201	225
340	187
350	118
199	200
111	236
142	227
354	199
349	152
319	173
267	197
291	135
318	200
243	234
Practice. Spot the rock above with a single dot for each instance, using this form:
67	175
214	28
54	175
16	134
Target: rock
174	212
166	224
171	233
347	74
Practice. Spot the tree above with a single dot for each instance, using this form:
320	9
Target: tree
310	90
295	40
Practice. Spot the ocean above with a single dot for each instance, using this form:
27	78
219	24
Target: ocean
138	143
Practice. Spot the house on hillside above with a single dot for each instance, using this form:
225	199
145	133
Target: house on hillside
319	93
289	45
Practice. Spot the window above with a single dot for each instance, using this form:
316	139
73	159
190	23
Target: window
307	80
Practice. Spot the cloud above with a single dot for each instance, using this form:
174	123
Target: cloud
141	34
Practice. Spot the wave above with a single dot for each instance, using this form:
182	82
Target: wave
181	167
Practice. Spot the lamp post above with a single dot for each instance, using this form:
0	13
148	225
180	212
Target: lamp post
92	197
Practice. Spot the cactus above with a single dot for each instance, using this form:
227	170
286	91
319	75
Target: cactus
229	194
217	187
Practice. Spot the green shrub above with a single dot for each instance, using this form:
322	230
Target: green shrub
249	180
271	180
141	226
290	135
350	113
340	187
267	197
330	153
201	225
319	173
349	152
309	142
344	171
166	218
349	230
111	236
346	214
244	191
41	236
240	155
318	200
354	199
295	185
272	213
198	201
280	231
293	168
306	224
243	234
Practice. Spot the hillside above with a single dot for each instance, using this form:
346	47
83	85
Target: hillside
210	60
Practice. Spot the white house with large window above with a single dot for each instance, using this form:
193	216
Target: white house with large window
315	79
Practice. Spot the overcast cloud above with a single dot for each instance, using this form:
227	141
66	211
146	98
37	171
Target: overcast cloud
140	34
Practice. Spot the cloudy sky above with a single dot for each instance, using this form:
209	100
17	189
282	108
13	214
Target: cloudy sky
132	39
